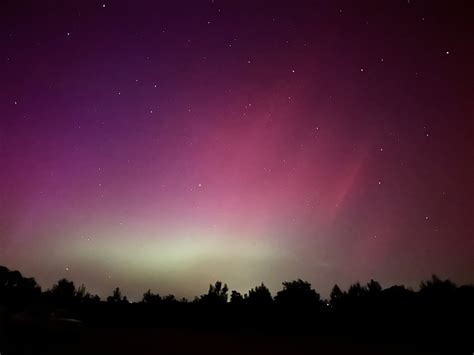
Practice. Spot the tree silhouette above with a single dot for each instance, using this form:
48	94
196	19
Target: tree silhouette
436	285
373	288
169	299
16	289
356	291
81	293
151	298
337	297
217	294
259	296
236	298
116	297
64	292
297	293
435	293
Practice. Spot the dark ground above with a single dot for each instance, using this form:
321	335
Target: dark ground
187	341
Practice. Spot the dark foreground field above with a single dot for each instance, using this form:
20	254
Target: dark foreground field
185	341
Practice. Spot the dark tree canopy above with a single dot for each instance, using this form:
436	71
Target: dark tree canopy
298	293
217	294
116	297
259	296
64	291
151	298
236	298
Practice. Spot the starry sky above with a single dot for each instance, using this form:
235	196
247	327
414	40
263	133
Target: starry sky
169	144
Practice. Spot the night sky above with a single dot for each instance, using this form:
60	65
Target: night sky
170	144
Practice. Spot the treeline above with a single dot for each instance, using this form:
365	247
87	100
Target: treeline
18	292
438	310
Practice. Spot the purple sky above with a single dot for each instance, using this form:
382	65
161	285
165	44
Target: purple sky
165	145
